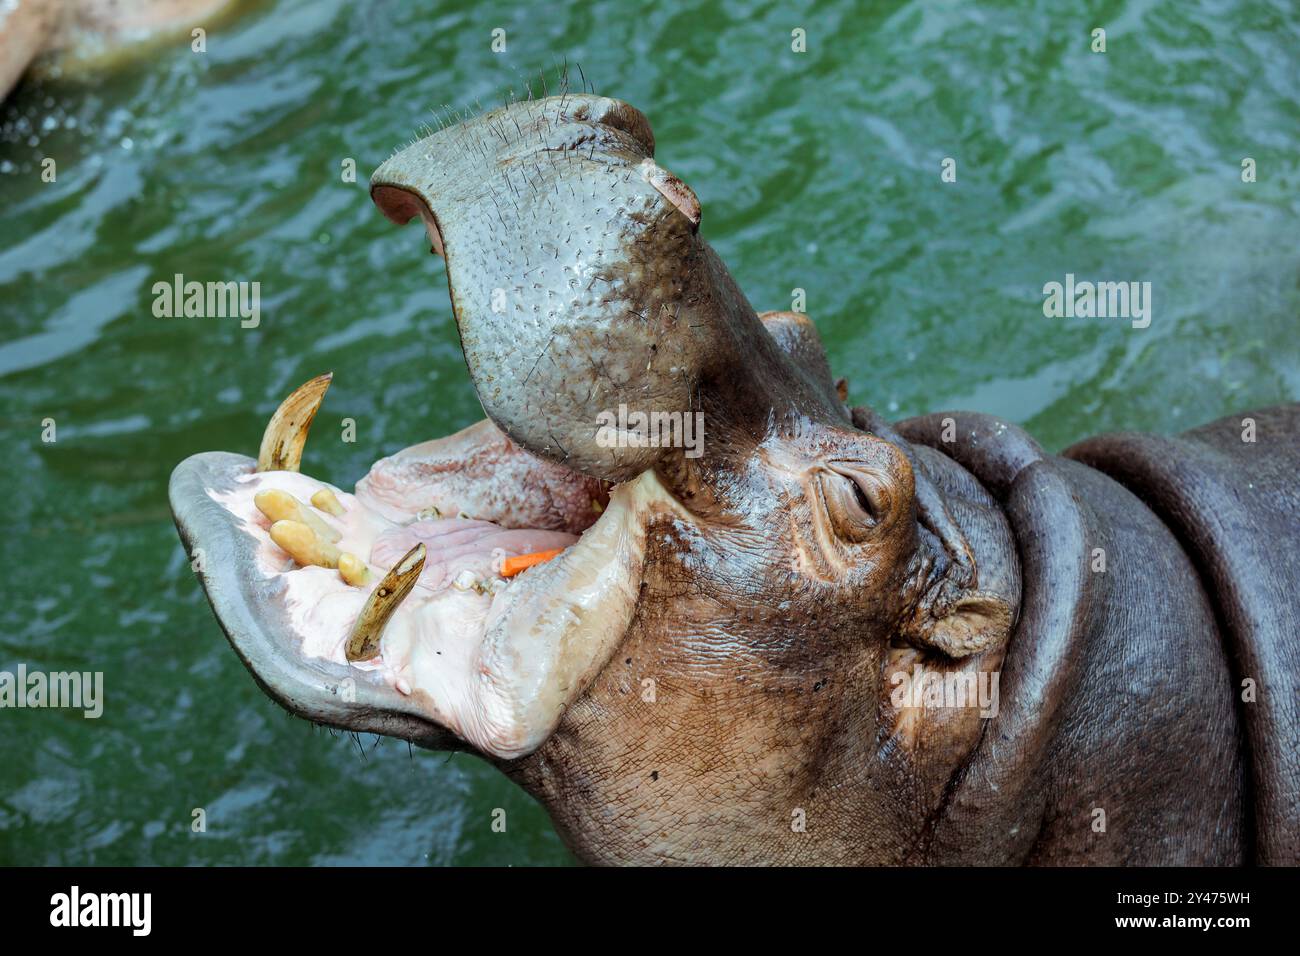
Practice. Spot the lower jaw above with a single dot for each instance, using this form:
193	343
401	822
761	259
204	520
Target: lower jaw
496	664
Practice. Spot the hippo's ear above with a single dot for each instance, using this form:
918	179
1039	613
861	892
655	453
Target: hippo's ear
969	623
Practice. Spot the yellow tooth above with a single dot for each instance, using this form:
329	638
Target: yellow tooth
353	569
303	545
281	506
327	502
363	644
286	433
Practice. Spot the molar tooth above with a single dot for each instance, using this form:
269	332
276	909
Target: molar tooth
281	506
363	643
466	581
303	545
327	502
353	569
286	433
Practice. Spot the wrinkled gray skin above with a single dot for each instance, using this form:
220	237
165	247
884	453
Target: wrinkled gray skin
576	284
819	552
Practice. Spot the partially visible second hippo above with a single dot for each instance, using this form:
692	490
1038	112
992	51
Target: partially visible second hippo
89	29
810	636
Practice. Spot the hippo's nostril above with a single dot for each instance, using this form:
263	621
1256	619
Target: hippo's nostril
623	116
399	205
402	205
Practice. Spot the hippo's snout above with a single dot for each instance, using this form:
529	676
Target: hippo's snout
565	242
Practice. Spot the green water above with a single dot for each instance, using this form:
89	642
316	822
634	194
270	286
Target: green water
818	171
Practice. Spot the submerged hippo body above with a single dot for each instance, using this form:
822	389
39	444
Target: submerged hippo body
90	31
757	649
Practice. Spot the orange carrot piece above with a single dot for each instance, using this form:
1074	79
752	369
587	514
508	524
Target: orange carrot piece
513	565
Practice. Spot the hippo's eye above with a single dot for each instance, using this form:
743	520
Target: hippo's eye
857	499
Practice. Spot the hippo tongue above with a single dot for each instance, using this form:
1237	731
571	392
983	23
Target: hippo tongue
461	550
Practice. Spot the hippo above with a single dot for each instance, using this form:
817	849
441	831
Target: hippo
811	636
91	31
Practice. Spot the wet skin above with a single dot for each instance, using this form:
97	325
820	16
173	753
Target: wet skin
712	668
90	29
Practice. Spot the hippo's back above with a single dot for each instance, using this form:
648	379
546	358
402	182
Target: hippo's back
1229	491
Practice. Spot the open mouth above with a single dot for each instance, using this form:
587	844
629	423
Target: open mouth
467	581
472	584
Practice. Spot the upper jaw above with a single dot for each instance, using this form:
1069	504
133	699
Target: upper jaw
573	268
